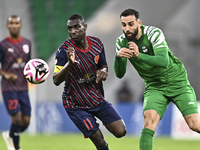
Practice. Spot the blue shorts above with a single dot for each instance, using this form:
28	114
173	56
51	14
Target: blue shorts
85	119
17	101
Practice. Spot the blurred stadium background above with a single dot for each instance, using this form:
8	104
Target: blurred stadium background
44	23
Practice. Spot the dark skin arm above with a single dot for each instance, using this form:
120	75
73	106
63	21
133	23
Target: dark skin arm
102	74
59	77
62	74
7	75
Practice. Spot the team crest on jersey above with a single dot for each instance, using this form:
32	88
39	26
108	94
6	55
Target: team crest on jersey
87	75
25	48
96	59
144	49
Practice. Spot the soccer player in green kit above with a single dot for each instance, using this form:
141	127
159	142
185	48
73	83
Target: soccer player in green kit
164	75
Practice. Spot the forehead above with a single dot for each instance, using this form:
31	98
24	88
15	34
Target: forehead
14	19
74	22
126	19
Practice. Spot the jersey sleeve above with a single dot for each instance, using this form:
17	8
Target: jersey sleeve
160	48
60	59
119	63
1	52
102	58
29	56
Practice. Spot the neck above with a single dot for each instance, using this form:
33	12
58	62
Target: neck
139	34
83	44
15	38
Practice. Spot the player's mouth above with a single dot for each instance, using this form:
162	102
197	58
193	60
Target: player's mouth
74	36
129	34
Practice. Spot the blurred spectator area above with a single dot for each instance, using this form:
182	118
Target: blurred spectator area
50	19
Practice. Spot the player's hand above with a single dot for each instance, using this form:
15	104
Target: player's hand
134	48
101	74
71	55
125	52
10	76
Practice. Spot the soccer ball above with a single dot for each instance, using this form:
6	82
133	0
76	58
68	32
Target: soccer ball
36	71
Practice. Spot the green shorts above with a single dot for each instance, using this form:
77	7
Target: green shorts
159	98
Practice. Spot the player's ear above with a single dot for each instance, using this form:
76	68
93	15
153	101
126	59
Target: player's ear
140	22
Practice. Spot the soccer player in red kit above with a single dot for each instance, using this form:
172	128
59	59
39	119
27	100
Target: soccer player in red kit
81	63
15	51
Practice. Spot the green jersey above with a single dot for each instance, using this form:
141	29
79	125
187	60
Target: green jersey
156	64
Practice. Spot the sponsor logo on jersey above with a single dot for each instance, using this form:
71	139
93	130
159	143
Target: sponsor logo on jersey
25	48
19	60
88	78
11	50
87	75
76	61
144	49
190	103
145	102
96	59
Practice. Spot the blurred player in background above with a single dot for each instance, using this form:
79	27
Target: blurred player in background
81	63
164	75
15	51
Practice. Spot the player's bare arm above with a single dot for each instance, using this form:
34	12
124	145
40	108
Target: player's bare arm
8	76
125	52
71	55
102	74
60	76
134	48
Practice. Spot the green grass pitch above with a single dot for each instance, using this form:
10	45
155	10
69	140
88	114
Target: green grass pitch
70	141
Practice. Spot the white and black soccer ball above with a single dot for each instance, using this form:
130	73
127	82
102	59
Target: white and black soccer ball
36	71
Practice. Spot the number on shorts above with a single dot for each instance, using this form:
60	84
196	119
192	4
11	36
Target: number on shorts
12	104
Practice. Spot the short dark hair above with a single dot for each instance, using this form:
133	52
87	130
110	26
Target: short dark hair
76	16
129	11
14	16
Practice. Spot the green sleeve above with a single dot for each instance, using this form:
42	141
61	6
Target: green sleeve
120	66
160	59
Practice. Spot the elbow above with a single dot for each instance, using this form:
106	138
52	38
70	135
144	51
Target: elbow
119	75
55	81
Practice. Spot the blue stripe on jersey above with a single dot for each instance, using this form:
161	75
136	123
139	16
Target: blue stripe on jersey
81	89
13	57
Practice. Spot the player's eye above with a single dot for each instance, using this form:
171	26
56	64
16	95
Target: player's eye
131	24
70	28
77	27
123	24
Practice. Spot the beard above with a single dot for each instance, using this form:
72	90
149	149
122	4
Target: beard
133	36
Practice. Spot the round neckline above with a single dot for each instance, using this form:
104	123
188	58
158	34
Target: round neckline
85	50
15	41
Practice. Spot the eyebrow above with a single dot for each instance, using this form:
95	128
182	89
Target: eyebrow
129	22
73	25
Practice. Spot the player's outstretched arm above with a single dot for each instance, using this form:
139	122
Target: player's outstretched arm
8	76
60	76
102	74
120	66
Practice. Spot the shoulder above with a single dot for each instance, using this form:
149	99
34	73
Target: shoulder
26	40
153	33
121	42
95	39
65	45
121	38
63	48
3	41
151	30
